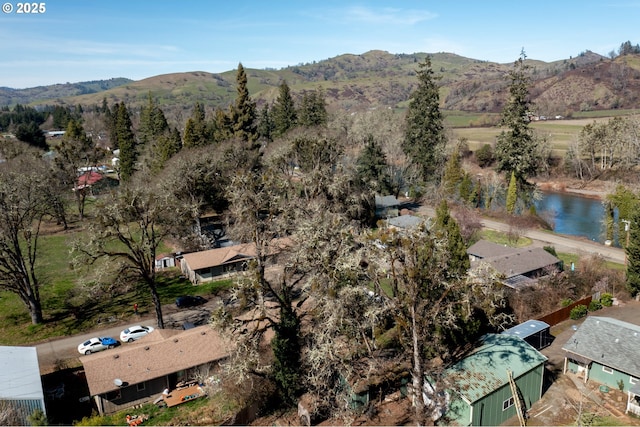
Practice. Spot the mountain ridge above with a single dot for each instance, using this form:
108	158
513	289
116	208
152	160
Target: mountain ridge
377	79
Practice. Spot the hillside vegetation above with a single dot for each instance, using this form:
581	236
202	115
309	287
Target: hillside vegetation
376	79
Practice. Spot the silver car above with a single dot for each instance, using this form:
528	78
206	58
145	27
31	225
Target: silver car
133	333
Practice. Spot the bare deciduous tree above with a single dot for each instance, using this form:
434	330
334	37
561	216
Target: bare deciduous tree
128	229
24	202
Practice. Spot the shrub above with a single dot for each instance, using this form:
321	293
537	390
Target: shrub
551	250
578	312
595	305
566	302
485	156
606	300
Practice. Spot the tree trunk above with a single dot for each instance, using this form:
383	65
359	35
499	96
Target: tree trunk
417	374
35	311
156	303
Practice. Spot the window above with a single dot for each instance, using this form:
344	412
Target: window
140	386
607	370
633	380
507	403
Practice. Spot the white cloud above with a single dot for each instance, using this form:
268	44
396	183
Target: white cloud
388	15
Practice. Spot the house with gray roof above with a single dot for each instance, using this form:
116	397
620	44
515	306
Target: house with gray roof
606	350
479	385
387	206
138	372
405	222
21	382
519	267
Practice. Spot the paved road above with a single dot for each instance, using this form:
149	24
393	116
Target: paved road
562	243
64	350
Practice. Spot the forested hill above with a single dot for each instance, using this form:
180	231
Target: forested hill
380	79
57	92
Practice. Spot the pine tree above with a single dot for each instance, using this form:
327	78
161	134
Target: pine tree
222	125
313	109
196	130
153	122
512	193
244	110
633	255
372	167
284	111
424	135
453	173
466	188
126	143
447	227
266	127
516	149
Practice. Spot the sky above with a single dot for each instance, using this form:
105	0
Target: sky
82	40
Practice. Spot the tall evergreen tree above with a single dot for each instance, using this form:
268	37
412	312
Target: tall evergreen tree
153	122
284	111
372	167
424	135
633	255
266	126
516	147
447	227
313	109
222	125
453	173
126	143
244	110
512	193
196	130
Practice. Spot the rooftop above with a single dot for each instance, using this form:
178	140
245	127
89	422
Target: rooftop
607	341
162	352
485	369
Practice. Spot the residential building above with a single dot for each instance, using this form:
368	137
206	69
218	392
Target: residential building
139	372
519	267
479	385
21	382
605	350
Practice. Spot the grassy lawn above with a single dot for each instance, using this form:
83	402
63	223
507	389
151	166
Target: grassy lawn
65	314
502	239
568	258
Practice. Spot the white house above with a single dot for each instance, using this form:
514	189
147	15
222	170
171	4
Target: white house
21	383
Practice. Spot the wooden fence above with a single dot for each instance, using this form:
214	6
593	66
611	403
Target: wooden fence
563	314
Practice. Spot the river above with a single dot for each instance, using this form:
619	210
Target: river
573	214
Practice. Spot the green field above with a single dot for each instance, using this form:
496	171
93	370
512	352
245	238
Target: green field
561	132
67	305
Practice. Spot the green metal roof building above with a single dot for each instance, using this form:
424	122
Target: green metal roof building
480	389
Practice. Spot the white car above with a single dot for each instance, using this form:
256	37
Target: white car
133	333
93	345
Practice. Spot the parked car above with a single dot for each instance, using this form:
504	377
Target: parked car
189	301
133	333
93	345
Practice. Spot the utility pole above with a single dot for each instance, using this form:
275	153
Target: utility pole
627	227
